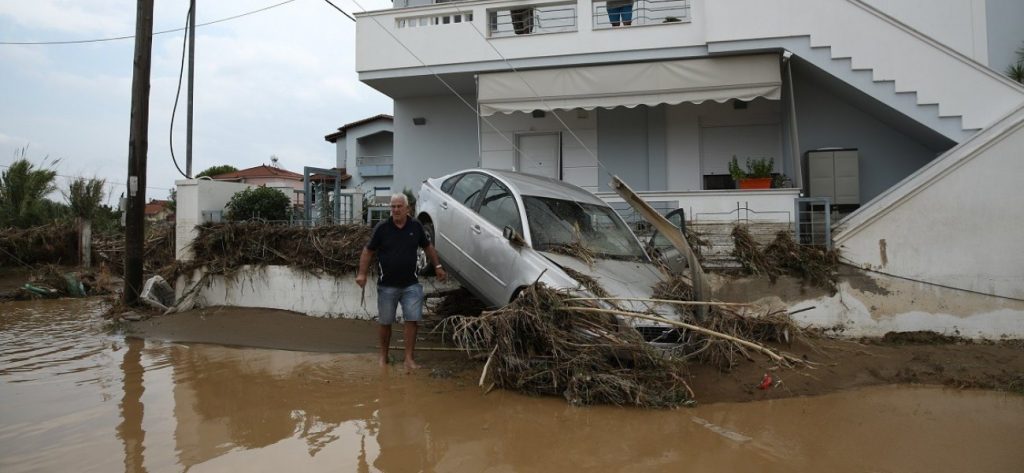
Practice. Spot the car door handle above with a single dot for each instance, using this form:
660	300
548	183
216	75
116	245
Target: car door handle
476	229
444	204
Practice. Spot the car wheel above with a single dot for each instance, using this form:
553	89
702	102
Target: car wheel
423	266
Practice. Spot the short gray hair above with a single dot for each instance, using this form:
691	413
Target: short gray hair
402	197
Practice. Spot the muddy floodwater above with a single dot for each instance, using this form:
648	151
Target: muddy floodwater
76	398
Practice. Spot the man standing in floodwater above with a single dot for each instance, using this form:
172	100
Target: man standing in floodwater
395	241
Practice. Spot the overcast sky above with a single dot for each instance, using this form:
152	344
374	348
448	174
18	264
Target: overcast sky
271	83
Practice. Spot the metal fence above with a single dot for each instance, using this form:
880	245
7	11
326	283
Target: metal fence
531	19
814	221
640	12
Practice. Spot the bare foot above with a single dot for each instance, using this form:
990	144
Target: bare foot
411	365
383	361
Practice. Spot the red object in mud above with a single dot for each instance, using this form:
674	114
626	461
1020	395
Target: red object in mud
766	382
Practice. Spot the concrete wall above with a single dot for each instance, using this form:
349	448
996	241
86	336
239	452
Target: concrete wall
1005	32
446	143
578	165
886	155
954	223
959	24
281	287
194	197
869	304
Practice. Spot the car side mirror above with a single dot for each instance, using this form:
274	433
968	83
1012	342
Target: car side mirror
512	235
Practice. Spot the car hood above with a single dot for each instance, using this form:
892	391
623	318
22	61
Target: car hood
625	279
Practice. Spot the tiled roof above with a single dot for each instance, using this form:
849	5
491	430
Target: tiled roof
256	172
156	206
333	137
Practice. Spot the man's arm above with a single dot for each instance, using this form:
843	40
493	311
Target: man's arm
434	260
364	266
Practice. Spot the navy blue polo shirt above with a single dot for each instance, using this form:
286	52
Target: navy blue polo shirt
396	251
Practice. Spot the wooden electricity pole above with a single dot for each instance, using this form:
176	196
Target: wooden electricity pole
138	147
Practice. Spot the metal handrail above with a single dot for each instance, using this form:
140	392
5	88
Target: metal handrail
644	12
531	20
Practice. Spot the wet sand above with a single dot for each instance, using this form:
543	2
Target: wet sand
839	364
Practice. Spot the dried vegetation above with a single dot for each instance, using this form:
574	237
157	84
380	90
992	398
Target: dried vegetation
811	264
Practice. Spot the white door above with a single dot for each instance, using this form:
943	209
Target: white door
540	154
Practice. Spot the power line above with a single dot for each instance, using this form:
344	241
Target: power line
446	84
339	9
181	72
108	181
175	30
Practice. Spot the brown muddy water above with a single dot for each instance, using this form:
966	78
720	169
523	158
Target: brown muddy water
75	398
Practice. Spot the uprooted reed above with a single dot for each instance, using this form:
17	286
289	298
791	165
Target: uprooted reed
553	342
540	345
334	250
811	264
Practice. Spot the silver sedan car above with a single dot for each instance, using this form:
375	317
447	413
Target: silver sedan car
500	231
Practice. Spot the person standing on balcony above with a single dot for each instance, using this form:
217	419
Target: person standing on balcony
394	242
620	11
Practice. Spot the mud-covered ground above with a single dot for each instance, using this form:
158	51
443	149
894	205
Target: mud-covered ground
838	364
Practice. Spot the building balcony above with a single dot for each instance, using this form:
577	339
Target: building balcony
375	166
473	35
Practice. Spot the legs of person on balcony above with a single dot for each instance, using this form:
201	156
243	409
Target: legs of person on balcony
522	20
620	12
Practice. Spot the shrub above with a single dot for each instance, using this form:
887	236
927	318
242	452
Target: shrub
258	203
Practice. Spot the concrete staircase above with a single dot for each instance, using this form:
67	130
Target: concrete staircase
719	234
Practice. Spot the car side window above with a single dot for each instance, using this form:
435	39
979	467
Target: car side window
467	189
449	183
499	207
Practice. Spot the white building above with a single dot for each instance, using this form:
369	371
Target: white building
897	110
365	149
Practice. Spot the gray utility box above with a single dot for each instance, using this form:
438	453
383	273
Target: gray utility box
833	173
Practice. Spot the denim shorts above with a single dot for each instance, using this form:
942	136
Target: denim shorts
388	298
620	14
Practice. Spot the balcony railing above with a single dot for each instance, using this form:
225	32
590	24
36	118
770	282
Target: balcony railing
611	14
372	166
531	19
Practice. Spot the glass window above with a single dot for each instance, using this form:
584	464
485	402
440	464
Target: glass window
556	222
499	207
469	188
450	183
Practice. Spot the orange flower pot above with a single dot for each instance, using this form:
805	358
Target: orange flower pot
756	183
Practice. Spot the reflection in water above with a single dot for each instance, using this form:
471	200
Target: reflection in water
72	402
130	429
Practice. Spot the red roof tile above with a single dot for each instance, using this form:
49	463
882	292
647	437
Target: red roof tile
257	172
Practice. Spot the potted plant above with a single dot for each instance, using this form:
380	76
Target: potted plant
757	176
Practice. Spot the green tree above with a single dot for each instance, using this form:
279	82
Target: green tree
23	190
1016	70
85	196
258	202
215	170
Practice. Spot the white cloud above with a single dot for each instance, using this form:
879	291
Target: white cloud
270	83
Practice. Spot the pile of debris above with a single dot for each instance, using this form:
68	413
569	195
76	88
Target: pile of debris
224	248
55	243
554	342
51	281
811	264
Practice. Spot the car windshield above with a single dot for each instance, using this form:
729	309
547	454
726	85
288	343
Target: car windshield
556	223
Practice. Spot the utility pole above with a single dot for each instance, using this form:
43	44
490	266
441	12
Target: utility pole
138	147
191	79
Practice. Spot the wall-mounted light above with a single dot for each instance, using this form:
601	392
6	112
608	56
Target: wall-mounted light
538	114
582	114
419	121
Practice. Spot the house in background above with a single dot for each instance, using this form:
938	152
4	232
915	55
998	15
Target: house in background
288	182
158	211
896	111
365	148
